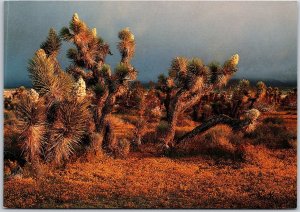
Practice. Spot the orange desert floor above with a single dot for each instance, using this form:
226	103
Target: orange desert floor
267	179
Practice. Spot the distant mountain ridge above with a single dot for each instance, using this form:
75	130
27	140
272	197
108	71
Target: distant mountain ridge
268	82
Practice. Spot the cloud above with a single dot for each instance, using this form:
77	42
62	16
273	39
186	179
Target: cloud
263	33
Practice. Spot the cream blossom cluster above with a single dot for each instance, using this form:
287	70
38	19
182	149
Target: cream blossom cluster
34	95
80	88
252	114
94	32
234	60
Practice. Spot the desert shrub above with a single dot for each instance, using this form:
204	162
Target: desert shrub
161	129
150	137
218	142
12	150
273	120
11	168
9	118
273	136
122	148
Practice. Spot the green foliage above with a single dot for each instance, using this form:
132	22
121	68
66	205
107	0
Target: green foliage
105	71
178	67
52	44
65	34
122	71
215	69
41	72
98	89
126	45
73	54
196	67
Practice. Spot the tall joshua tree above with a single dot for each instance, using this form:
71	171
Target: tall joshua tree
89	54
190	80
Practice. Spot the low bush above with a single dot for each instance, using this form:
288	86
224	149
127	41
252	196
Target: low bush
273	136
273	120
161	129
218	142
122	148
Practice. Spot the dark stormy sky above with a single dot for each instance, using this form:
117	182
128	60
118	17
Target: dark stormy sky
264	34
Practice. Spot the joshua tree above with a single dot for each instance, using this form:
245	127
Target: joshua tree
133	100
290	99
260	95
190	80
62	102
241	98
90	54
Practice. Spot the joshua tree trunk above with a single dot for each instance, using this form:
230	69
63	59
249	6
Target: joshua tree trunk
172	121
167	105
181	102
98	113
105	108
235	124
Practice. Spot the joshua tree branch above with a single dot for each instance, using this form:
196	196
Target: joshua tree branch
235	124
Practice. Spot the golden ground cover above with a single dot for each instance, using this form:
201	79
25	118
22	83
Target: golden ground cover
267	179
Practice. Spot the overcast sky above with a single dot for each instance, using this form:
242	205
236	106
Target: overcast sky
264	34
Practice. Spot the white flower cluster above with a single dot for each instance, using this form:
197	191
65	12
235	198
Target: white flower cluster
34	95
80	88
94	32
252	114
234	60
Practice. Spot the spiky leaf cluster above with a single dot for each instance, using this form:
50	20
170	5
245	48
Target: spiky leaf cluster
32	127
44	78
67	130
125	73
193	75
126	45
52	44
90	50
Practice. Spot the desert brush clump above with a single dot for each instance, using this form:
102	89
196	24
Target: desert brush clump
218	142
122	148
273	134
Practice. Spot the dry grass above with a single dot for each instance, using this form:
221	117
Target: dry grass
148	182
273	134
265	179
219	142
